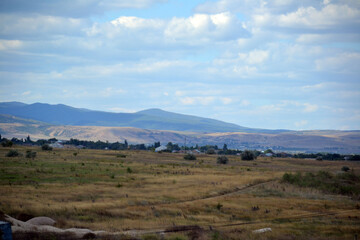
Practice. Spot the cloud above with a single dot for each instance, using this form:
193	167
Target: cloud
40	27
309	108
10	44
71	8
226	100
245	103
204	27
255	56
301	123
108	92
197	100
346	62
331	18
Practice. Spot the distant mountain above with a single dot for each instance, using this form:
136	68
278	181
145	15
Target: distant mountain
156	119
313	141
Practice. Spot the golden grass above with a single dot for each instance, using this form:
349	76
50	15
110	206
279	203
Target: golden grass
95	190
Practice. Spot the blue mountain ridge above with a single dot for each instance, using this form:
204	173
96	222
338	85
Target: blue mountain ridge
156	119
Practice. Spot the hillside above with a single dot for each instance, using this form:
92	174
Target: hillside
156	119
315	141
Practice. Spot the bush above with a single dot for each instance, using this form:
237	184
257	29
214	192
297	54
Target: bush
46	147
190	156
248	155
7	143
222	160
12	153
345	169
210	151
30	154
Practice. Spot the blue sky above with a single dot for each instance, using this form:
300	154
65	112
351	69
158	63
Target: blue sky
269	64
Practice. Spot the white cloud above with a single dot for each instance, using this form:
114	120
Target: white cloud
226	100
10	44
245	103
121	110
197	100
346	62
108	92
72	8
40	26
309	108
204	27
301	123
331	17
255	56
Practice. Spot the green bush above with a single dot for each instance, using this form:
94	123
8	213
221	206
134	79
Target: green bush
190	156
30	154
210	151
7	143
46	147
248	155
222	160
345	169
12	153
347	183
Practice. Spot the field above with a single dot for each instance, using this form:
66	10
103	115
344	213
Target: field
139	192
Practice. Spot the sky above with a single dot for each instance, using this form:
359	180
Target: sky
281	64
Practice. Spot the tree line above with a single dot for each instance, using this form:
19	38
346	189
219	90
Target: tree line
171	147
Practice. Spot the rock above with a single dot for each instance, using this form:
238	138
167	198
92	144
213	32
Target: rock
39	221
262	230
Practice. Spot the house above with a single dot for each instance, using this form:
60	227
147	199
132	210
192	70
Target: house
161	148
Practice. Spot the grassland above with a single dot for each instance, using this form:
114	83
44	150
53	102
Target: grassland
118	191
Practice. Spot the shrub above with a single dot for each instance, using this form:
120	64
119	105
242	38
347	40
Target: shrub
46	147
222	160
248	155
121	156
129	170
12	153
7	143
190	156
30	154
210	151
345	168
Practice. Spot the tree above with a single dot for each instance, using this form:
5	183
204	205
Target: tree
210	151
126	145
169	146
269	151
28	139
156	144
225	148
7	143
222	160
248	155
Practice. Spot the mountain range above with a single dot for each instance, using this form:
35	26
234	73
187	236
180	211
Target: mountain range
155	119
64	122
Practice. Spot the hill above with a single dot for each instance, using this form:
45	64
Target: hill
156	119
313	141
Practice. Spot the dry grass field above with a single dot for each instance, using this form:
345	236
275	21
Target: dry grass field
140	192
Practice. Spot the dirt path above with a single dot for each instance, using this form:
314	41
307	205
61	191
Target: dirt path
224	193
